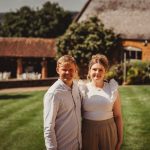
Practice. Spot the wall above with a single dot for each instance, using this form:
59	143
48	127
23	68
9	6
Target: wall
141	45
27	83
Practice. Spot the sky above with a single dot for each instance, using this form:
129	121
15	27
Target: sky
13	5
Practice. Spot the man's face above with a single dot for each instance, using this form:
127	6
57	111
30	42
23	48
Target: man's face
67	72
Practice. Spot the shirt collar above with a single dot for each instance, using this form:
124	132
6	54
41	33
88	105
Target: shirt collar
66	86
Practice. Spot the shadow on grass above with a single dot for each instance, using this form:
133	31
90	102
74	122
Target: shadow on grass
14	96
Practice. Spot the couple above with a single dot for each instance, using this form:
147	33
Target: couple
101	110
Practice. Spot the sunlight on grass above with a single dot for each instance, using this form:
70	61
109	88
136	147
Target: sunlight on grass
136	112
21	122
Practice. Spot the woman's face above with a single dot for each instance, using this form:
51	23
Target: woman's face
97	72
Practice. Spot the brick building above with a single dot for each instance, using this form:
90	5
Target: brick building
129	18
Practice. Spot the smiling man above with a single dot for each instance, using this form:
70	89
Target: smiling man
62	109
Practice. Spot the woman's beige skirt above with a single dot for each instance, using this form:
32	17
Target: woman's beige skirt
99	135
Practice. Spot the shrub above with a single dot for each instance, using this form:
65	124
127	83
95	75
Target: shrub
84	39
136	73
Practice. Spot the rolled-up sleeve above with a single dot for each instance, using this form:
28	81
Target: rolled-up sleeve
51	106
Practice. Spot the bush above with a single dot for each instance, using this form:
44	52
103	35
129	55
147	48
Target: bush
137	73
84	39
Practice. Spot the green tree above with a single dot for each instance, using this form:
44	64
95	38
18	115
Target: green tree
17	24
89	37
50	21
1	32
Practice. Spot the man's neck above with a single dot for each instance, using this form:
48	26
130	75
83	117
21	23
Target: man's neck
68	83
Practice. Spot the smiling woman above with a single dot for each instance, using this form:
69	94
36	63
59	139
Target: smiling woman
102	120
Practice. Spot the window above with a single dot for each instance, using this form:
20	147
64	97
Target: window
133	52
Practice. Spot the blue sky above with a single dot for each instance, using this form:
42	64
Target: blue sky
13	5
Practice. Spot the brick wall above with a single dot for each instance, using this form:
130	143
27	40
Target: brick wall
141	45
27	83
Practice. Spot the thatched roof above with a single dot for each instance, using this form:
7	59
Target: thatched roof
27	47
130	18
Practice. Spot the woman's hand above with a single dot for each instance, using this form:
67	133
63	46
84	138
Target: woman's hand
118	146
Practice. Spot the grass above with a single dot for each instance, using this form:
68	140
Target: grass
136	116
21	122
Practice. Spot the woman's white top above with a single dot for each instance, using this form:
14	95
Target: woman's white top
98	103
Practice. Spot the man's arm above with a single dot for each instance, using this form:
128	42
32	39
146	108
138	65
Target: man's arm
51	106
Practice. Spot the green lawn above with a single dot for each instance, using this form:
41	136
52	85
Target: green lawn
136	116
21	122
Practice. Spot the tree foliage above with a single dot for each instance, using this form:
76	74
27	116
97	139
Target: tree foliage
17	23
48	22
89	37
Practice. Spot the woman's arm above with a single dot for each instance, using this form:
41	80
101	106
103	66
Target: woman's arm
118	121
